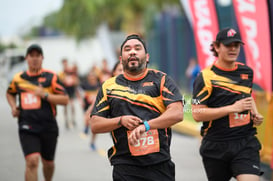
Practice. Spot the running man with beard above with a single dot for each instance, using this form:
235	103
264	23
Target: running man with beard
138	108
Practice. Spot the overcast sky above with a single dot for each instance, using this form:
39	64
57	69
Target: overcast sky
17	16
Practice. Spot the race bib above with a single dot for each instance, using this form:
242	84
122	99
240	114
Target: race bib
30	101
147	143
236	119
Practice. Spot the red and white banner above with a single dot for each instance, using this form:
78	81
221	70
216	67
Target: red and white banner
205	28
253	21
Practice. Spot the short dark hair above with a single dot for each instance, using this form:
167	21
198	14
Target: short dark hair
225	36
133	36
212	48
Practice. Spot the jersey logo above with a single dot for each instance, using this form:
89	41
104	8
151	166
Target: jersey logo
231	33
244	76
146	84
27	127
195	101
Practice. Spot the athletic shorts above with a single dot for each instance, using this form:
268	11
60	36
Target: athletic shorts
71	91
43	143
162	171
223	160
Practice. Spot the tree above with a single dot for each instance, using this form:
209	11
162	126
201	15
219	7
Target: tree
80	18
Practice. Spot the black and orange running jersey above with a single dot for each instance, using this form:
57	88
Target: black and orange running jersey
89	92
146	98
69	78
36	114
216	87
70	82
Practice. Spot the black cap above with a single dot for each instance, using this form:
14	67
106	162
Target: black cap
228	36
34	47
133	36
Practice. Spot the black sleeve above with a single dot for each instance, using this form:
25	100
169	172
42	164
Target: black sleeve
101	107
170	91
201	90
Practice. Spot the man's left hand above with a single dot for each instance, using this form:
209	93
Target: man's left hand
136	134
257	119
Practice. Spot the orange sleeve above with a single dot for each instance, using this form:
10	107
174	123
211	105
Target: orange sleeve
12	86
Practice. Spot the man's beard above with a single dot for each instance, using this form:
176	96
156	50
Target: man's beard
134	68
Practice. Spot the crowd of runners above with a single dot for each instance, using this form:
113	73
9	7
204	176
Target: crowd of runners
138	106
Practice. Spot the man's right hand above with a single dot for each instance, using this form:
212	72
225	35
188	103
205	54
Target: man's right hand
242	105
130	122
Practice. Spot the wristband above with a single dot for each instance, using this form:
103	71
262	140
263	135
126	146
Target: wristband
147	126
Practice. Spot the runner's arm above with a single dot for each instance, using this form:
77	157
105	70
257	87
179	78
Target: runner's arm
52	98
100	124
256	116
57	98
88	112
254	107
202	113
12	102
172	115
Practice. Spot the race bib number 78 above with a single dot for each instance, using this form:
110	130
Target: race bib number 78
148	143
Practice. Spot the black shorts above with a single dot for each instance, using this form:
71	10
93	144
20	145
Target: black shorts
43	143
223	160
71	91
162	171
